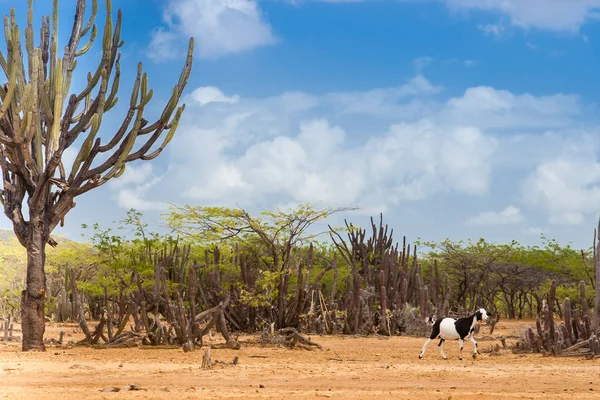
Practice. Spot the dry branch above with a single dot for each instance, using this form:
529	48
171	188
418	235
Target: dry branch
293	338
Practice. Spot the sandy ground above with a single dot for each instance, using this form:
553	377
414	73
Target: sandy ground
347	368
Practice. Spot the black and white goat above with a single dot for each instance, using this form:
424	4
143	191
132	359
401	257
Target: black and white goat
452	329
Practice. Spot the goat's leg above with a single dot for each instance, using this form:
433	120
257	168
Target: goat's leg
460	348
423	349
472	339
441	349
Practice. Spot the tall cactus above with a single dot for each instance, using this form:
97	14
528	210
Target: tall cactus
597	279
567	319
40	119
584	301
550	316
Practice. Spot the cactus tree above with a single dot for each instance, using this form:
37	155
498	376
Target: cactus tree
39	120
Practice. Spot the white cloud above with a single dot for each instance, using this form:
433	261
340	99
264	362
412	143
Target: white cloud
286	166
130	198
210	94
68	158
486	98
377	150
381	101
567	188
487	107
219	27
133	185
409	162
165	45
422	158
509	216
305	157
554	15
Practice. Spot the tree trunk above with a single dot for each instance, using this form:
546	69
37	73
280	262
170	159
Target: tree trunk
597	288
33	298
281	303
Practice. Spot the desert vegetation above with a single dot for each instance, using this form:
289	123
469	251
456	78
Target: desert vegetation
226	269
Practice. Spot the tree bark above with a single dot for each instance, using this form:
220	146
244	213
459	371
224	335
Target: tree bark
33	298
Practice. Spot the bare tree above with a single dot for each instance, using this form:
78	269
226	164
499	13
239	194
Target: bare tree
39	120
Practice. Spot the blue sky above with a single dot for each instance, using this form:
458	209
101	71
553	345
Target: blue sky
455	118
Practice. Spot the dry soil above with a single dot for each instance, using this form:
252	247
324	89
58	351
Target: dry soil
346	368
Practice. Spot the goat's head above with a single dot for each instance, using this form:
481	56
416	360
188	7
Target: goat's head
482	315
430	320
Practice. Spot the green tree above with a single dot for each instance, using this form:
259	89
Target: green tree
39	120
510	274
13	262
60	261
278	232
469	266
